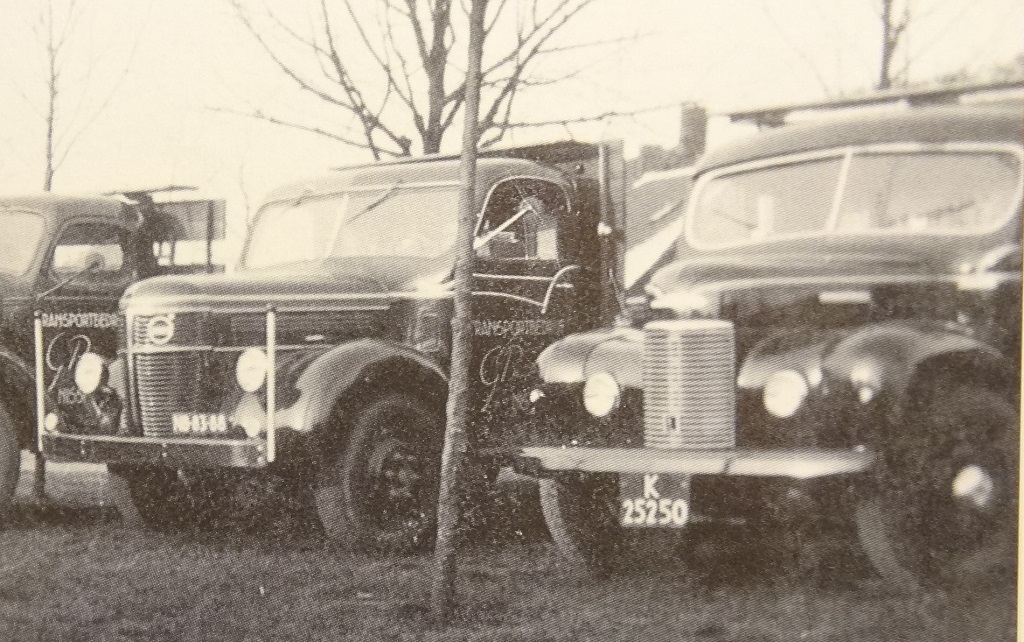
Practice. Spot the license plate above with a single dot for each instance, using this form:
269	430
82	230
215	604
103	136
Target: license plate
654	500
198	423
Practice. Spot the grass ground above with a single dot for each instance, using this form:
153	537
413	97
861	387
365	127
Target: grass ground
73	573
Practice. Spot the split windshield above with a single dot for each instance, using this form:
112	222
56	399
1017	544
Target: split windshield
872	191
385	221
18	244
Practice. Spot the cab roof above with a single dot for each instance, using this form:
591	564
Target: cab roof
58	208
430	170
928	125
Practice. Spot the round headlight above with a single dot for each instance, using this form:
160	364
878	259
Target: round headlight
784	393
251	369
89	372
600	394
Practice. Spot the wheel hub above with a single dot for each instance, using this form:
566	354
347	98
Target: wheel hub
975	486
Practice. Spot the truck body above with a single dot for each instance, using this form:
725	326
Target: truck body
64	263
840	340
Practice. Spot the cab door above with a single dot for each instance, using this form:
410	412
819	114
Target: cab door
84	274
525	295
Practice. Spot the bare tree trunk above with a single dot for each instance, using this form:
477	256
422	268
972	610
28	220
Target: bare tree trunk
443	589
893	28
51	105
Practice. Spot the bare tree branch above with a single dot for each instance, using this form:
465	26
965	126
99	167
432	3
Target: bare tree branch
398	80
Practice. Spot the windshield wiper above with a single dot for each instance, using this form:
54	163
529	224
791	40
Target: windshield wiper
388	193
92	266
747	225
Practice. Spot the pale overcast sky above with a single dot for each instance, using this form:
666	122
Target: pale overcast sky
185	57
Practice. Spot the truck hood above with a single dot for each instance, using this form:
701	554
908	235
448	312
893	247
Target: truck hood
332	282
730	273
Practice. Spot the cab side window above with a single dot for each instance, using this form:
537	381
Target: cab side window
96	249
520	222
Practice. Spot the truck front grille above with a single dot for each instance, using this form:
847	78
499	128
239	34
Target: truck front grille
167	382
689	384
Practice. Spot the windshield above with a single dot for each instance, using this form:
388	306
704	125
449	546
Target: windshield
387	221
18	244
943	191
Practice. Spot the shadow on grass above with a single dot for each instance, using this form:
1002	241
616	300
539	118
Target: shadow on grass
33	515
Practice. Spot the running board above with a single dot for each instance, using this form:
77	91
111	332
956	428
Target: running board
795	463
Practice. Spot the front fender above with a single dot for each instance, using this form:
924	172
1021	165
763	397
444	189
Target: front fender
326	378
18	380
888	357
618	351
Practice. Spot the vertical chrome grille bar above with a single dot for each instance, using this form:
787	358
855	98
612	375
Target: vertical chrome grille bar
40	384
271	381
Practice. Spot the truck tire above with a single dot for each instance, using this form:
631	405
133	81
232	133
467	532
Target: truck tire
379	492
581	513
148	497
10	463
942	508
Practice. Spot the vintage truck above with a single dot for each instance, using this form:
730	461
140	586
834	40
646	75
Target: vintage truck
840	341
321	362
66	260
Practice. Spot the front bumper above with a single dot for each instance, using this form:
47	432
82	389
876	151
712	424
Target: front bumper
176	452
793	463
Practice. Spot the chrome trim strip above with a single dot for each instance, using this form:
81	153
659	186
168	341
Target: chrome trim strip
837	198
511	277
37	328
207	348
169	305
271	382
554	282
521	299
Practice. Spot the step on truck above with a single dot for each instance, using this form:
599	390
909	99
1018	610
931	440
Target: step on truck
320	364
64	263
837	354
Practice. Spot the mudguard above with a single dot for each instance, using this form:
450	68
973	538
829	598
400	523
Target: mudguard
326	379
18	398
617	351
891	356
885	357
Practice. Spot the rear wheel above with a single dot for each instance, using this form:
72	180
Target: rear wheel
380	491
581	513
10	462
943	506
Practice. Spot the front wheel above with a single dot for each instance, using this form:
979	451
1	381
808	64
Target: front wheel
943	506
581	512
380	491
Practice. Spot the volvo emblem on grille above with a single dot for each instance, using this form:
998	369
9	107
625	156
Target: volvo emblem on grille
160	329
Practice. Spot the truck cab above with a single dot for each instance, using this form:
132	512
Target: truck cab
323	358
840	343
64	263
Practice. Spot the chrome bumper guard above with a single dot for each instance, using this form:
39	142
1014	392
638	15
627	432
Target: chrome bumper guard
794	463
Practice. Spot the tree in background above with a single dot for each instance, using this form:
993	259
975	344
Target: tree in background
72	97
895	20
389	69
